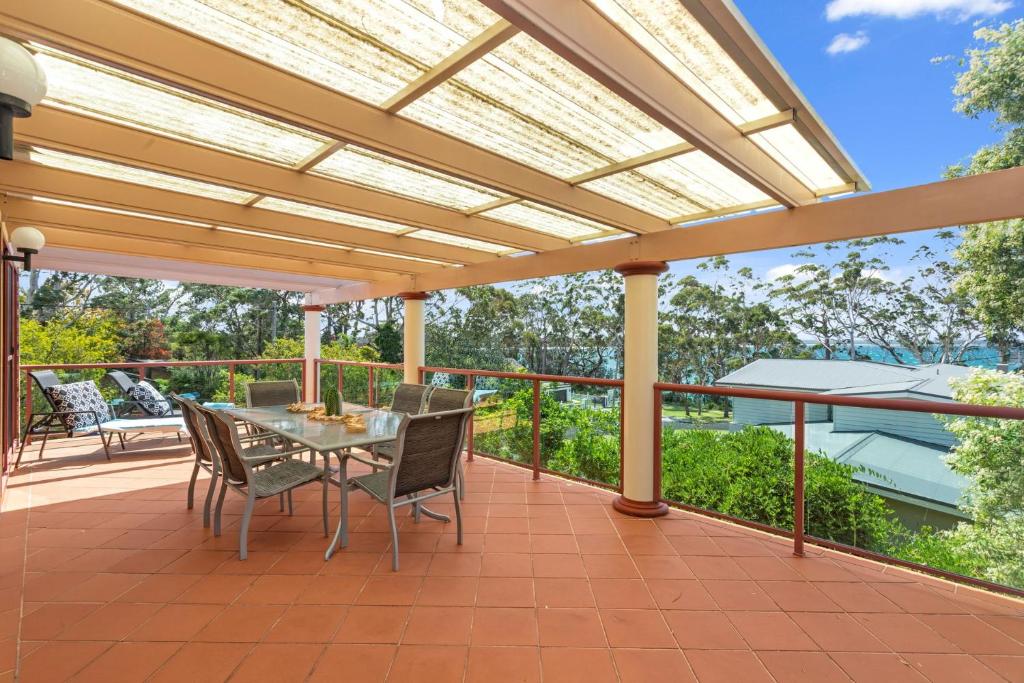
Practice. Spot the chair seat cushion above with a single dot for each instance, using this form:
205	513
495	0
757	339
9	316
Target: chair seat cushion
283	476
149	399
82	398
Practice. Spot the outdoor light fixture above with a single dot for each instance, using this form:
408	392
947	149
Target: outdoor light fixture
26	241
22	85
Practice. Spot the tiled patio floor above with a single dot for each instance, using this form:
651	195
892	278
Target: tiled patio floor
106	576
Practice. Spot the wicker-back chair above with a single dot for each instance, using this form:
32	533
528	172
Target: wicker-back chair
410	398
442	400
238	472
425	465
271	393
205	459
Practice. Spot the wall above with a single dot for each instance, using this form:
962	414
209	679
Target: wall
917	426
756	411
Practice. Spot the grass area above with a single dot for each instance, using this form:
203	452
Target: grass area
673	410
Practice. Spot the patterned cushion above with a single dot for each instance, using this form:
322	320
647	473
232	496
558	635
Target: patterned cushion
149	399
79	396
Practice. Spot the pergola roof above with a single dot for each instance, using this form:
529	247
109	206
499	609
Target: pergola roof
386	140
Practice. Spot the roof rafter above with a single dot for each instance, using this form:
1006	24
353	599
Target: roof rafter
725	211
492	37
581	35
53	128
972	199
496	204
32	179
120	37
635	162
37	213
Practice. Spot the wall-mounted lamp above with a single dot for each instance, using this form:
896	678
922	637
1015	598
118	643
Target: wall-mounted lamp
26	241
22	86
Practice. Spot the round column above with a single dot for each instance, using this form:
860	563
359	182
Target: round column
640	372
311	337
414	351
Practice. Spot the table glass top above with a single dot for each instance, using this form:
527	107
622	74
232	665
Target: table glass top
381	426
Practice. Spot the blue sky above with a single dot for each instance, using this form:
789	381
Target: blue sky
889	105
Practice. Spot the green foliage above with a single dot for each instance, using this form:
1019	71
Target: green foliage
88	338
994	79
749	474
389	343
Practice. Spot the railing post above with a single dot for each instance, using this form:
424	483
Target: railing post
231	382
536	429
369	391
142	372
304	385
28	406
656	488
341	383
470	383
798	478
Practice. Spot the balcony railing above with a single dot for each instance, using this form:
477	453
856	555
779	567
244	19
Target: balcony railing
800	401
521	420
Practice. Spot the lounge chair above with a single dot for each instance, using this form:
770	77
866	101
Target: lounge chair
139	396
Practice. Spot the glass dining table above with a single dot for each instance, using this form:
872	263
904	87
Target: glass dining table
326	438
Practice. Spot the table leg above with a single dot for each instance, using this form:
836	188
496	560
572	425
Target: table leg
341	534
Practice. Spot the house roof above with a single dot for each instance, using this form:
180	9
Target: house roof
849	378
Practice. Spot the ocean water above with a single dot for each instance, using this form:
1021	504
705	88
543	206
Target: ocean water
977	357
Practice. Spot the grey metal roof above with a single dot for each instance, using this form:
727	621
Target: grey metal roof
844	377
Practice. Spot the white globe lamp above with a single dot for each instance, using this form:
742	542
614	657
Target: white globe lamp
22	86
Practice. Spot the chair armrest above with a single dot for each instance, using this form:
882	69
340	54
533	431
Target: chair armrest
260	459
376	464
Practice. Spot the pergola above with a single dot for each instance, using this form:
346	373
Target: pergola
354	150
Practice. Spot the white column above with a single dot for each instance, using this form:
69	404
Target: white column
414	352
311	336
640	374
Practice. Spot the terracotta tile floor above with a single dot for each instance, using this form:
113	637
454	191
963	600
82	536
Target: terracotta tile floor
107	576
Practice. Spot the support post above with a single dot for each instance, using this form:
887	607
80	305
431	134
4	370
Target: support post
798	478
639	496
311	335
414	347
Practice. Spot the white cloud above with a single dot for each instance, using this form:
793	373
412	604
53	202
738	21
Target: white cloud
847	42
957	10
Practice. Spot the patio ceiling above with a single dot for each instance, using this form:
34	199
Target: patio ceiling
386	139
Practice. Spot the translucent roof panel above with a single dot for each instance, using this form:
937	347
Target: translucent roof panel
119	212
368	49
283	238
524	102
139	176
404	257
458	241
332	215
786	145
703	179
99	91
643	192
547	220
675	38
369	169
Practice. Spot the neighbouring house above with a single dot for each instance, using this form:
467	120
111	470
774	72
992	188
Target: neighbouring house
903	454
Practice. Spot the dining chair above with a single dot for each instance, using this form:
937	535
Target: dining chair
442	399
238	472
409	399
205	458
425	465
271	393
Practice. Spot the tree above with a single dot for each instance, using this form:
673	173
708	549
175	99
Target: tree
388	342
837	295
993	254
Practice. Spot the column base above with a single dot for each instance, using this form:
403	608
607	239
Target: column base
639	508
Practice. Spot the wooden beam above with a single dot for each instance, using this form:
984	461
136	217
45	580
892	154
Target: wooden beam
319	155
132	246
496	204
492	37
725	211
583	36
768	122
635	162
61	130
33	179
973	199
44	213
120	37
